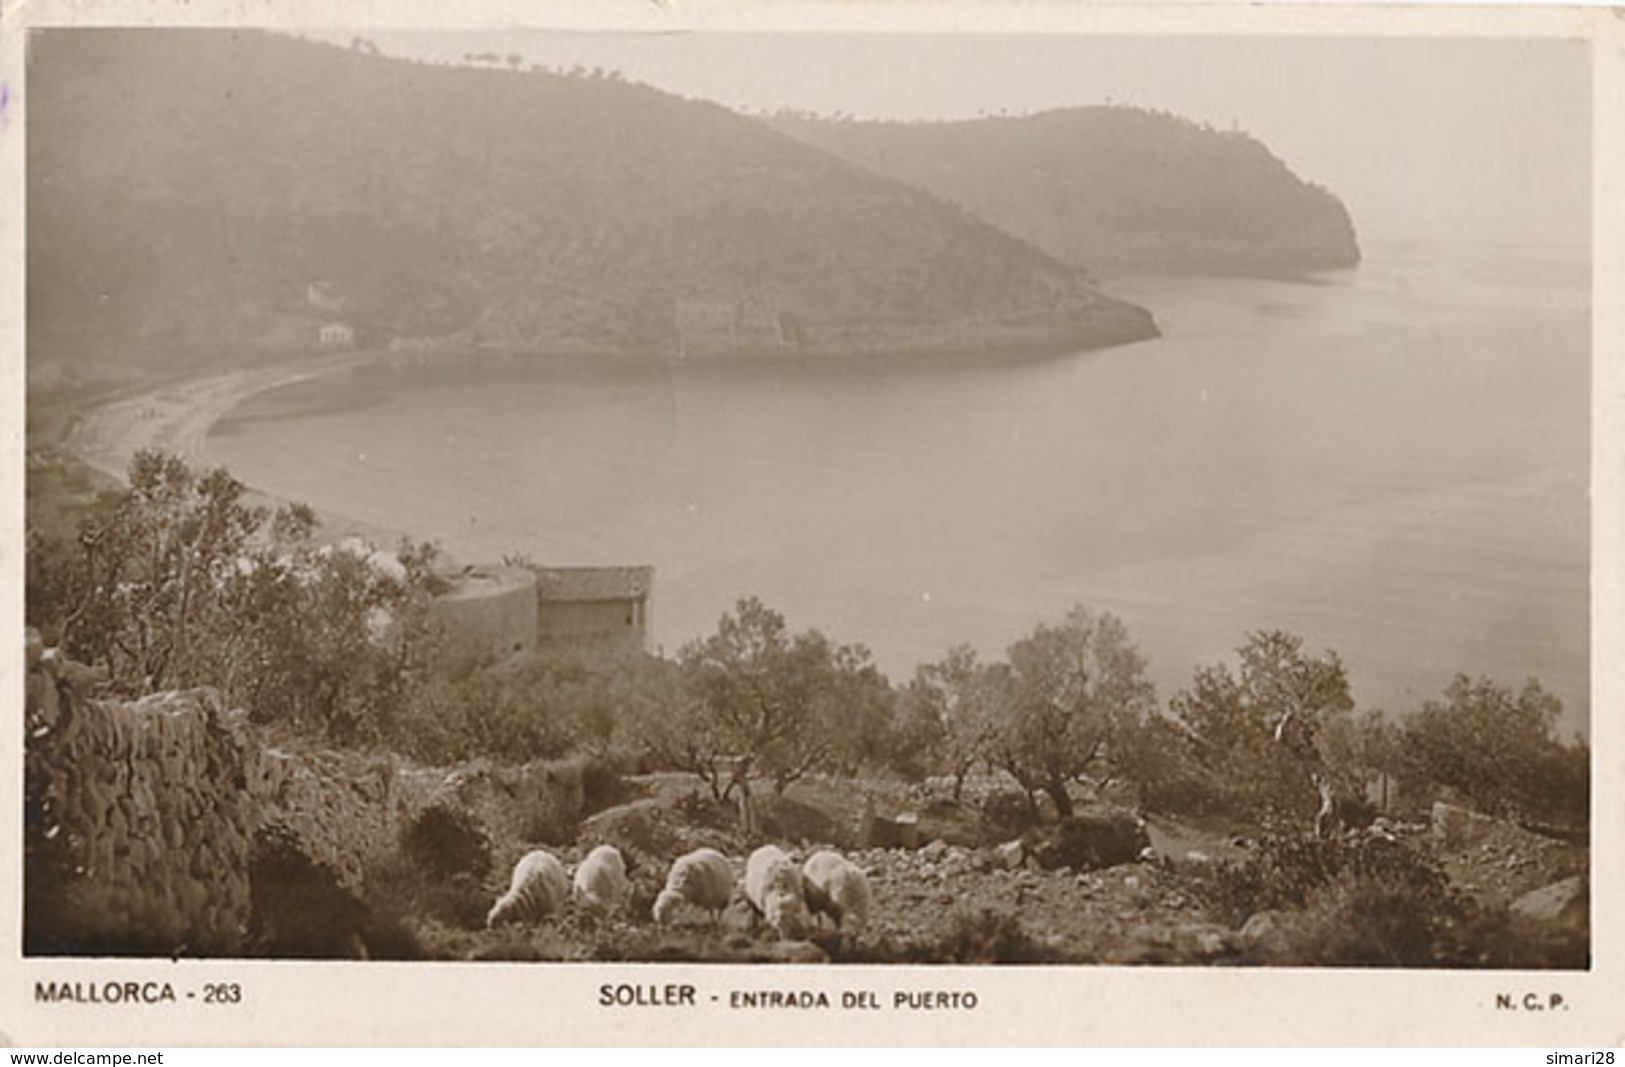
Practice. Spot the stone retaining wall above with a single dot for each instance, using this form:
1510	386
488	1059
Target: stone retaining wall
137	823
141	816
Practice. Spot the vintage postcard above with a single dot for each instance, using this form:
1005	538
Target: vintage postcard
784	524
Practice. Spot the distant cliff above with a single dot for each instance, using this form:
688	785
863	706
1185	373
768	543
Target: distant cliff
1111	187
203	192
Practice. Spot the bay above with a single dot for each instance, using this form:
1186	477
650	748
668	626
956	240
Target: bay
1391	462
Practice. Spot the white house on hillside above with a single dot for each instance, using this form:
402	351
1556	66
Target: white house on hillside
336	335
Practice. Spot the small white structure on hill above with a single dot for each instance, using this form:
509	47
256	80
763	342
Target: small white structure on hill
336	335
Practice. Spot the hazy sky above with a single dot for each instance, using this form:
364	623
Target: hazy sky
1479	139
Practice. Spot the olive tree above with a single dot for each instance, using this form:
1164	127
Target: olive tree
951	706
1256	733
1068	689
179	581
761	702
1497	747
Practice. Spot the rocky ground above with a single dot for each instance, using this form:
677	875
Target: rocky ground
979	900
368	855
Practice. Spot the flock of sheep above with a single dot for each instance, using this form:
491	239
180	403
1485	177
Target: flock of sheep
787	897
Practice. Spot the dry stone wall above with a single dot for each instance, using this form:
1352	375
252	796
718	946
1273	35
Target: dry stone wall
137	823
537	803
141	816
343	812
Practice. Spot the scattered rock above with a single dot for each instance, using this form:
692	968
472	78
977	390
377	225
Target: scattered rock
1191	943
1263	935
1211	941
1455	827
1566	904
797	952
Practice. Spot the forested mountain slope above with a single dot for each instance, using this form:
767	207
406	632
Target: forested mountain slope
1111	187
186	188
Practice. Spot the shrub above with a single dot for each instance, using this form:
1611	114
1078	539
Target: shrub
1370	903
1088	840
400	891
1182	794
695	808
1495	938
780	818
602	785
1287	869
1386	918
989	936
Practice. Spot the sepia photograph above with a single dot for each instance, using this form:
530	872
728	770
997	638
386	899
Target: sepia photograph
907	501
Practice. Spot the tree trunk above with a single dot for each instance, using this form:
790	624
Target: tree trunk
747	809
1056	788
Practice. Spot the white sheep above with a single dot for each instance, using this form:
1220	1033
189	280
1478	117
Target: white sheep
600	880
703	878
837	887
539	889
773	887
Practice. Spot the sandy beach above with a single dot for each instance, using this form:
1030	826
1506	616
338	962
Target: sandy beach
177	418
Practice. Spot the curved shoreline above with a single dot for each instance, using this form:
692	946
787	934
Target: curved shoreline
177	417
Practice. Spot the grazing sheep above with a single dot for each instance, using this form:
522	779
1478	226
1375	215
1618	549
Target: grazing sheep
837	887
600	880
703	878
539	888
773	887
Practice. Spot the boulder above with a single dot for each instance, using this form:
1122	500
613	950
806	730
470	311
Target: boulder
1263	936
1088	841
1455	828
901	832
1564	904
1186	943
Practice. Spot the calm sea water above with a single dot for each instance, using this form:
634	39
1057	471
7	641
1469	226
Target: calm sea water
1392	463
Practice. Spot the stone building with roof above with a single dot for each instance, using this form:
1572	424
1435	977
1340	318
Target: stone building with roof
501	610
594	606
